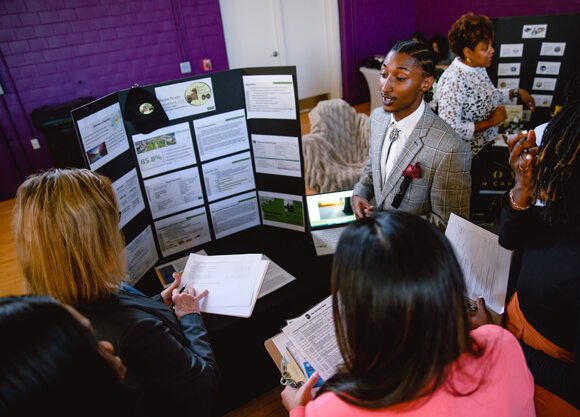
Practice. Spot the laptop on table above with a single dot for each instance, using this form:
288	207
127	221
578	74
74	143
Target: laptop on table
328	215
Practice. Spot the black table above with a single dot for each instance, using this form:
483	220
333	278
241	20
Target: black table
246	369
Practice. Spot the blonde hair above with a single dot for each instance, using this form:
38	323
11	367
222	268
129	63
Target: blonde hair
67	235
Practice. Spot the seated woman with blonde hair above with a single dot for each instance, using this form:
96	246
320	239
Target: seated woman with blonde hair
67	238
404	334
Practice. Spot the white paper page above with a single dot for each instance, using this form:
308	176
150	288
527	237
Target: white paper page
277	155
548	68
512	68
534	31
174	192
141	255
314	337
544	84
282	210
553	48
166	270
129	197
276	278
235	214
228	176
186	98
269	96
241	311
511	50
543	100
230	279
164	149
221	134
183	231
508	83
103	136
485	264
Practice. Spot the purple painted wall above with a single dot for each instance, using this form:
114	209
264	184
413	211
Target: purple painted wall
434	18
55	51
369	28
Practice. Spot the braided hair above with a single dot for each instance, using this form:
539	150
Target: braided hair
558	179
418	51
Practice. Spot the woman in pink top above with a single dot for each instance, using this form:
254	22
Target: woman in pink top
404	333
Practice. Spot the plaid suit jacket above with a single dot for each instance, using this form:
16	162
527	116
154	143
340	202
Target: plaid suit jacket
445	183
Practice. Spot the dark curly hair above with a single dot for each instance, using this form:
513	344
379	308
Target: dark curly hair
468	31
559	162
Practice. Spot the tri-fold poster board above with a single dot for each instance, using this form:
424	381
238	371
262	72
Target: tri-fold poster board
230	159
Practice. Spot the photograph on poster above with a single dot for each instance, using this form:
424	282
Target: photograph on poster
277	155
534	31
545	84
228	176
182	231
141	255
170	193
553	48
548	68
103	136
542	100
512	68
235	214
269	96
164	150
129	197
508	83
221	134
187	98
282	210
511	50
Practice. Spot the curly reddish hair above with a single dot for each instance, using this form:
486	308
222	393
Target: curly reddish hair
468	31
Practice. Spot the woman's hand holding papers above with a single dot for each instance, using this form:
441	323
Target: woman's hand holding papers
185	301
299	397
479	316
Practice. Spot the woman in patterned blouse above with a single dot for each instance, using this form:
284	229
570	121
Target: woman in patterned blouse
467	99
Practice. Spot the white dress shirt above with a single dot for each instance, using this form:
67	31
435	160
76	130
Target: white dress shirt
406	127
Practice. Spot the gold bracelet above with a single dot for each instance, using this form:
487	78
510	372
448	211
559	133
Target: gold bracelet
516	205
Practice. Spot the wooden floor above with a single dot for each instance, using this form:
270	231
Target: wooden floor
11	283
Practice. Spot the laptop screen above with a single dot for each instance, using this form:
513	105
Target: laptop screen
329	209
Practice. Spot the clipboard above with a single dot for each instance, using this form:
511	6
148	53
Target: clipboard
285	362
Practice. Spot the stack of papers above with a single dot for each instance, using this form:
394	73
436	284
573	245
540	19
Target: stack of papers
485	264
233	282
310	341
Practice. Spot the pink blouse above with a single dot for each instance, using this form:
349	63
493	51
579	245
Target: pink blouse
506	390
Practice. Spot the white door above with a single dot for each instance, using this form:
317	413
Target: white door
303	33
250	33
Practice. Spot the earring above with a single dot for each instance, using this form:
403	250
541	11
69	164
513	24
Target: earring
469	60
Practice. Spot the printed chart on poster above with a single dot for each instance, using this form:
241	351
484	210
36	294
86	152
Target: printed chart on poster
103	136
164	149
199	178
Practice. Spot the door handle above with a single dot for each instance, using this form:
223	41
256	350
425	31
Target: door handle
275	54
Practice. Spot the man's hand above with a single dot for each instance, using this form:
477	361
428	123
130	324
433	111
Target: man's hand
361	206
299	397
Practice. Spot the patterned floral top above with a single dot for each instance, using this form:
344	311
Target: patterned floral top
466	95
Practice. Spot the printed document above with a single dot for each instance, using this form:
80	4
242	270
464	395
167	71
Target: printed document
485	264
313	336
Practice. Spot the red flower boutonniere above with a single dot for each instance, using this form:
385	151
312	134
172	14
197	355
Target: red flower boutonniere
412	171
